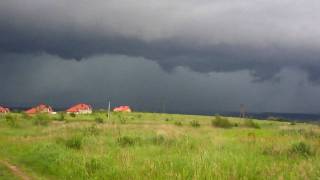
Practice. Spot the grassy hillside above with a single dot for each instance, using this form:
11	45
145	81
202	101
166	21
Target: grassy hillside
158	146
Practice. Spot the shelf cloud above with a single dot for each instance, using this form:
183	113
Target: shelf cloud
217	35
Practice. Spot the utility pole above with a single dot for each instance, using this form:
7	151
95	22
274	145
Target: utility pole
109	110
163	107
242	111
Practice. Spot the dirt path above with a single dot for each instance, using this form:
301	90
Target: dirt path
15	170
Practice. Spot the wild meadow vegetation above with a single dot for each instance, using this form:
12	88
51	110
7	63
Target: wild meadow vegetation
157	146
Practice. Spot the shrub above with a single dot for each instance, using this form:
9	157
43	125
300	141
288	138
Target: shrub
272	118
41	119
73	115
292	123
251	124
221	122
195	123
99	120
167	119
128	141
61	117
75	142
25	115
12	121
300	148
178	123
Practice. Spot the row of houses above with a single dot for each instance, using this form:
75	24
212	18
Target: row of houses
4	110
76	109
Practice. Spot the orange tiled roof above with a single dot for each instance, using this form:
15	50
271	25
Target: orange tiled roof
79	107
122	109
39	109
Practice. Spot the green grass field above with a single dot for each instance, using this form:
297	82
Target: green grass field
157	146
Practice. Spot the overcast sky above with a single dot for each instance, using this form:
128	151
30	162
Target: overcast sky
191	56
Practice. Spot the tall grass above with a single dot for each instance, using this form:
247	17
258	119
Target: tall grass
151	148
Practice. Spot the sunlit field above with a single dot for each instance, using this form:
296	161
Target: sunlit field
157	146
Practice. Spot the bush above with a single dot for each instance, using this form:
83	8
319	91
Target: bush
128	141
300	148
73	115
272	118
61	117
195	123
12	121
41	119
75	142
178	123
25	115
292	123
221	122
99	120
251	124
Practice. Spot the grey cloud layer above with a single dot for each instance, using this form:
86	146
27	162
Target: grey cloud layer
218	35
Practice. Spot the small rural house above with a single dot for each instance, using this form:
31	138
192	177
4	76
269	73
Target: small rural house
42	108
4	110
80	109
122	109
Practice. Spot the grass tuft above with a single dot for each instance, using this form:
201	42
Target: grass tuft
178	123
75	142
125	141
251	124
91	131
195	123
301	148
99	120
41	119
12	121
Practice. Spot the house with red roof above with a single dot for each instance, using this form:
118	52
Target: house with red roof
42	108
122	109
4	110
80	109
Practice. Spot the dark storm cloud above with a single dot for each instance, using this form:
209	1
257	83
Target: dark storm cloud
142	84
223	36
